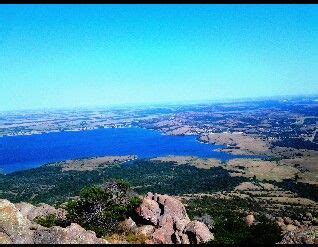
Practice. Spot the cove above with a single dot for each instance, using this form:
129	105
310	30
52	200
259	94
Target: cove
25	152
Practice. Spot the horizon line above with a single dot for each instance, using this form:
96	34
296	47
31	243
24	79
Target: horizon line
162	103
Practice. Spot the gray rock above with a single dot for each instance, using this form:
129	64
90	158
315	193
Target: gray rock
42	210
13	225
73	234
16	228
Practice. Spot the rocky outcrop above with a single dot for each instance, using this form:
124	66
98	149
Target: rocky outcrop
301	236
127	225
146	230
170	221
298	232
73	234
17	228
31	212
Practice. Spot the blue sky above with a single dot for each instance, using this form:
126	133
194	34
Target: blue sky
86	55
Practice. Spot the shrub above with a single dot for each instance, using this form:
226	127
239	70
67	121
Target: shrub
47	221
229	226
100	209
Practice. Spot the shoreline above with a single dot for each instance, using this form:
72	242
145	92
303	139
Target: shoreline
213	148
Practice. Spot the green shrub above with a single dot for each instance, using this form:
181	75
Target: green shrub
229	223
100	209
47	221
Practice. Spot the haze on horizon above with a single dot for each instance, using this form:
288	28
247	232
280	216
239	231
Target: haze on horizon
87	55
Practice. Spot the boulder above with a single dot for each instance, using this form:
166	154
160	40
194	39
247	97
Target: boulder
207	220
291	228
25	208
170	221
250	219
162	236
167	222
280	219
198	232
73	234
16	228
128	225
4	238
42	210
149	211
183	238
288	220
181	224
300	236
308	216
13	225
145	230
174	208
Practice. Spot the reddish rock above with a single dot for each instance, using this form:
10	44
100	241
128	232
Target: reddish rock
149	241
127	225
145	230
184	238
149	210
300	236
25	208
250	219
170	218
291	228
161	236
181	224
175	208
198	232
167	222
4	238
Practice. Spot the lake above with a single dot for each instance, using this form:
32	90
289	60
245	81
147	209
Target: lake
25	152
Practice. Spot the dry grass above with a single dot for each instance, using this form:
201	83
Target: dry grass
262	170
91	164
190	160
126	238
247	144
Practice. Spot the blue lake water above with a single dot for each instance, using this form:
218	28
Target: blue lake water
25	152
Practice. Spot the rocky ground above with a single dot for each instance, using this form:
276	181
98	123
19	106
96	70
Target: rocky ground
163	221
17	226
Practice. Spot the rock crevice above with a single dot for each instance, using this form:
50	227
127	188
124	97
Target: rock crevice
172	224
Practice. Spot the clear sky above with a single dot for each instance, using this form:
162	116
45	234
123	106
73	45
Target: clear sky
86	55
